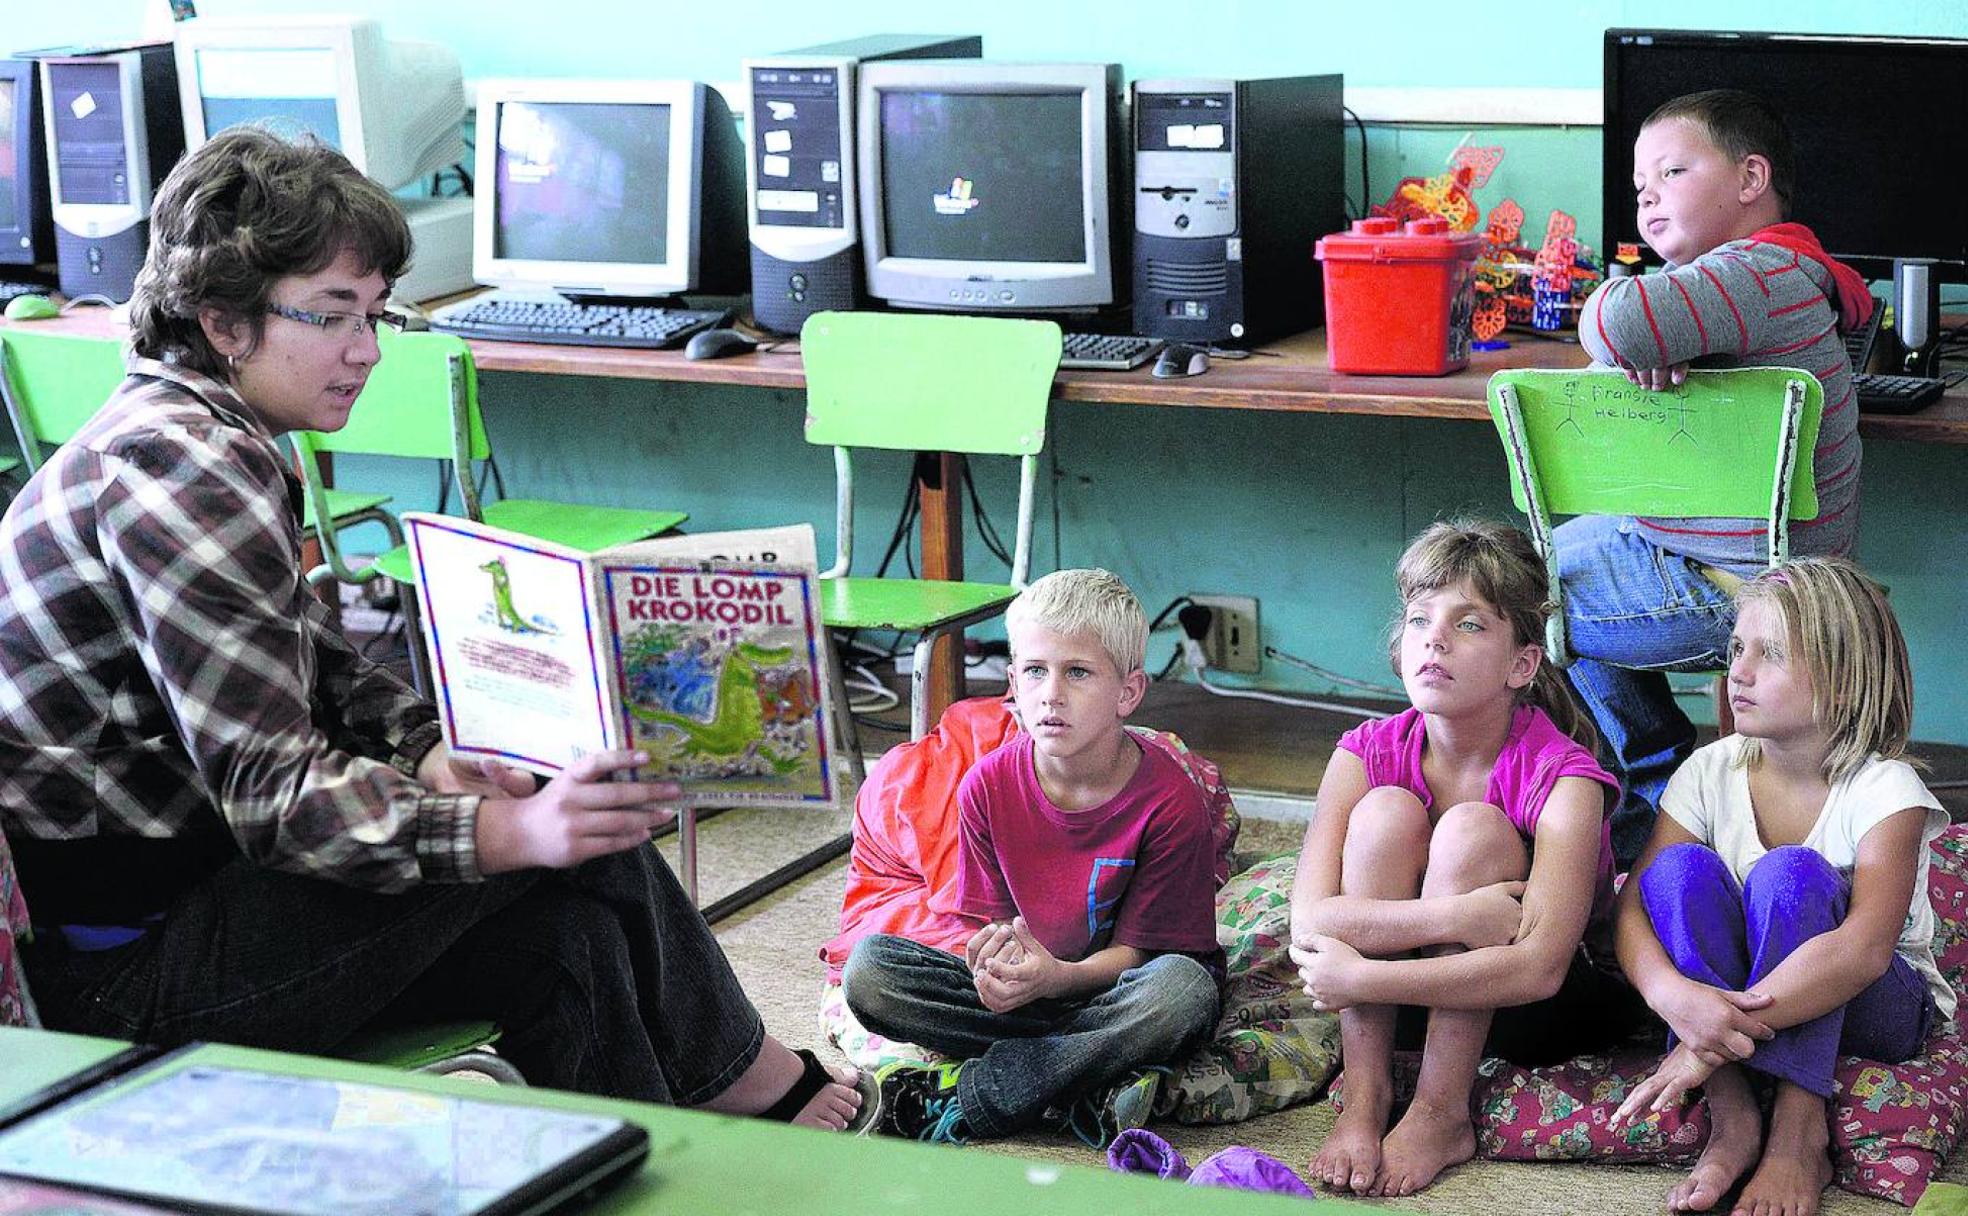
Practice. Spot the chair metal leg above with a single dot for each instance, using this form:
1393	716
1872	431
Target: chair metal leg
413	640
482	1061
687	850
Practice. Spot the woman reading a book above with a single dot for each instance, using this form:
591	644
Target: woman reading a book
231	826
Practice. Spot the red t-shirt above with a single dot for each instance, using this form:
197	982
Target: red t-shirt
1134	871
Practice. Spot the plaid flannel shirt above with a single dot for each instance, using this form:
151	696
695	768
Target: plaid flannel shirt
171	694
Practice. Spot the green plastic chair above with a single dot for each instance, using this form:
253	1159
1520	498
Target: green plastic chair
441	1048
925	383
1725	443
421	402
53	384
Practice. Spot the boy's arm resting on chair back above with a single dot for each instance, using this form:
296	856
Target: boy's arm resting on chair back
1086	895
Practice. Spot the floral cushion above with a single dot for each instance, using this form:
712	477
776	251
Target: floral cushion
1892	1125
1270	1049
15	1008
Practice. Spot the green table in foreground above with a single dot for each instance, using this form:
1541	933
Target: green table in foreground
709	1165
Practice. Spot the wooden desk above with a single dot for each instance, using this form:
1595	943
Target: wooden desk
1289	376
712	1165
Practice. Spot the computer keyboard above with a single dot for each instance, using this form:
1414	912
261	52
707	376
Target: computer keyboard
1108	352
577	324
1883	393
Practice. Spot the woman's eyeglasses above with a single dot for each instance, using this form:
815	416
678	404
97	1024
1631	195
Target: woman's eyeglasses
339	326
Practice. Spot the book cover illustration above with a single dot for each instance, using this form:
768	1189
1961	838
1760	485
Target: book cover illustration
719	679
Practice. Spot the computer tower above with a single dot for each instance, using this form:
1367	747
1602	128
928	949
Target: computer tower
27	231
114	130
1234	180
800	124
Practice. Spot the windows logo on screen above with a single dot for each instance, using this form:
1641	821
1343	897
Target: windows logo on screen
958	199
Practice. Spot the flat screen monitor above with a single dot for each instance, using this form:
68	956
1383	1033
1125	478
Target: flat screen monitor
1872	118
396	109
26	223
608	188
991	187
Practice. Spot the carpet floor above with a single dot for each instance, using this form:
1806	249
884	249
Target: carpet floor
773	945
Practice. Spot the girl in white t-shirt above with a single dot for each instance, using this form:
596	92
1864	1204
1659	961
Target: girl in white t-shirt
1779	915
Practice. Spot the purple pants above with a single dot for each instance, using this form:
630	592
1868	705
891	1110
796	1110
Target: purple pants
1732	936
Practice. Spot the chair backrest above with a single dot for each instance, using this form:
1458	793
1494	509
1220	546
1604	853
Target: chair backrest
54	383
926	383
1725	443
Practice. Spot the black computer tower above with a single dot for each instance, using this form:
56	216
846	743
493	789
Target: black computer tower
114	130
805	262
1233	182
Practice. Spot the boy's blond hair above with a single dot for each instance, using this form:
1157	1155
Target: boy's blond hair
1841	629
1086	601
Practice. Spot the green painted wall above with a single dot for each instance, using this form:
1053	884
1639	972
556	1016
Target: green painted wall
1306	513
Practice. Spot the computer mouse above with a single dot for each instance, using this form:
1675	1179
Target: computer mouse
1179	359
717	343
31	308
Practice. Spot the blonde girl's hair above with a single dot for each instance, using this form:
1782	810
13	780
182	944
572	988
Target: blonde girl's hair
1841	629
1087	601
1498	563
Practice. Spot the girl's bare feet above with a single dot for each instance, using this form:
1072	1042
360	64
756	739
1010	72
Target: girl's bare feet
1426	1141
1791	1178
1349	1160
1734	1138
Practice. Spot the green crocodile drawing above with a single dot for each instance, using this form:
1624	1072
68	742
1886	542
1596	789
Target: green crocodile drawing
502	600
739	721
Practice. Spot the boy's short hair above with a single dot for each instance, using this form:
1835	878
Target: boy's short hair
245	209
1842	631
1087	601
1741	124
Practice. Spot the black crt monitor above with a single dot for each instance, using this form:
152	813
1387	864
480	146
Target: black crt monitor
1873	120
27	230
608	188
991	187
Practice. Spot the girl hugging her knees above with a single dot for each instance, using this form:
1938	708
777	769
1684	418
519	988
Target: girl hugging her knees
1779	916
1458	855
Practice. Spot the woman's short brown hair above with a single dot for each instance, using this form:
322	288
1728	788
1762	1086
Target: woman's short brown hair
244	210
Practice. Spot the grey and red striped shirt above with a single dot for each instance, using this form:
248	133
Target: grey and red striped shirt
1749	302
172	697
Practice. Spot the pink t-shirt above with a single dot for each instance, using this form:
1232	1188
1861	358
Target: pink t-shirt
1134	871
1534	757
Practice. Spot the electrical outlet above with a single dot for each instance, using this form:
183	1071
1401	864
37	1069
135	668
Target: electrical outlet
1232	643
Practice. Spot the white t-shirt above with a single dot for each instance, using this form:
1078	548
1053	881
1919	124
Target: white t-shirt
1709	796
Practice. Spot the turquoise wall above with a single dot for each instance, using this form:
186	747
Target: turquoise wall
1305	512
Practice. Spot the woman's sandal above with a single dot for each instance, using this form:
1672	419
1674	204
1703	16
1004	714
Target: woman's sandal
813	1078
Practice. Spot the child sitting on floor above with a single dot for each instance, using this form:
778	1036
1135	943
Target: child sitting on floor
1457	855
1779	916
1089	859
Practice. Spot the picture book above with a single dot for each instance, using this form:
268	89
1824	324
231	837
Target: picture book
705	652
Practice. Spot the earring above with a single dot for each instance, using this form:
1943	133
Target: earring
232	365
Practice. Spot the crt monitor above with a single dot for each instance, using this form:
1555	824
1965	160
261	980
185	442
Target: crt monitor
1873	120
27	236
991	187
608	188
394	108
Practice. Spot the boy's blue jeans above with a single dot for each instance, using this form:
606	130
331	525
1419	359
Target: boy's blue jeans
1731	936
1635	612
1019	1062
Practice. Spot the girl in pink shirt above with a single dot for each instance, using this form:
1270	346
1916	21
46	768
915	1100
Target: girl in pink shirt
1458	854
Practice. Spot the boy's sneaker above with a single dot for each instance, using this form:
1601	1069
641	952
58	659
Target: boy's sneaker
1099	1116
918	1102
